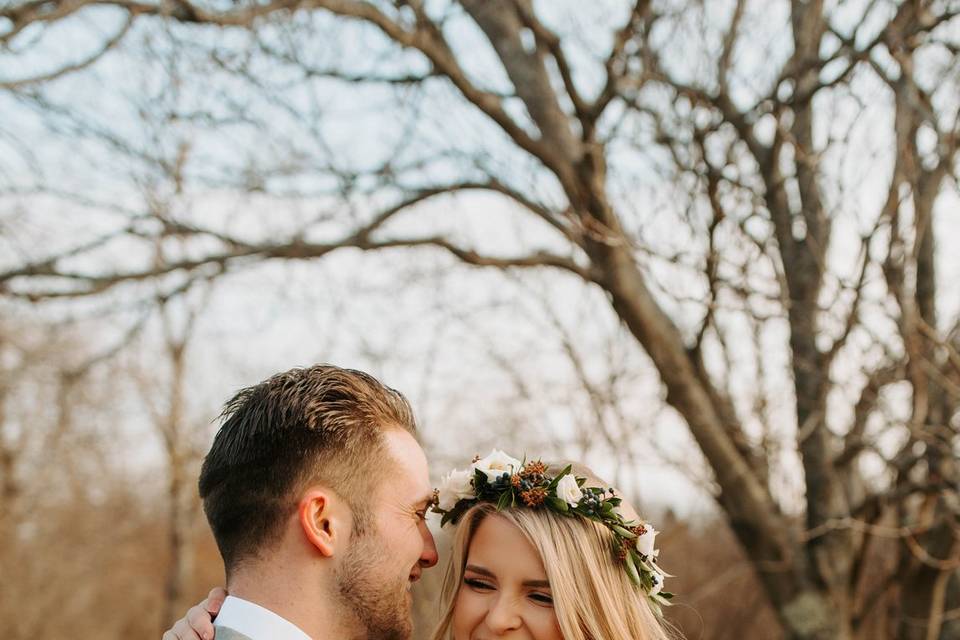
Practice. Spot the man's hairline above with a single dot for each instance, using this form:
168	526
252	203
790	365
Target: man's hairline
383	474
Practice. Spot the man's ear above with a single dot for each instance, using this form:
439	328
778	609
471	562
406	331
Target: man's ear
325	520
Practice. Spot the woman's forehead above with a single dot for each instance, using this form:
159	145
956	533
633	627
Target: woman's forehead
501	546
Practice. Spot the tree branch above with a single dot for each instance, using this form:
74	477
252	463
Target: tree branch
499	21
237	249
614	64
70	68
551	41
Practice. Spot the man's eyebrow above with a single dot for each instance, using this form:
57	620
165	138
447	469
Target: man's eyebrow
536	584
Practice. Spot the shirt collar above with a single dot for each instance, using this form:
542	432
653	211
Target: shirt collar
256	622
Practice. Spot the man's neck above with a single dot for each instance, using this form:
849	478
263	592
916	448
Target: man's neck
295	595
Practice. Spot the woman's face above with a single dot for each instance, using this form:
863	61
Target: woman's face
505	593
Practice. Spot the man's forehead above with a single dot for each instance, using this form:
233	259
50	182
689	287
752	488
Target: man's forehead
409	461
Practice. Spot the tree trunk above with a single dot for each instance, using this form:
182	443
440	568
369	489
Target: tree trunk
806	611
180	541
180	494
9	485
925	589
935	553
951	623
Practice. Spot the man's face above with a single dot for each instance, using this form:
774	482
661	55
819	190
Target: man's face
382	564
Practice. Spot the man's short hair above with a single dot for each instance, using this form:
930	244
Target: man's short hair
319	425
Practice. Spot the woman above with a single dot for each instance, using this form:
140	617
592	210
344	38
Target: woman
536	554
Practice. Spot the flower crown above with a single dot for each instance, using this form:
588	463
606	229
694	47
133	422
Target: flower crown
508	482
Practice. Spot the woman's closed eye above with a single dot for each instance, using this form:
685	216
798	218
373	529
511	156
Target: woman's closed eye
478	584
541	598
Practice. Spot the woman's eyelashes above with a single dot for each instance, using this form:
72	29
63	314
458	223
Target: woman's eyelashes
538	597
476	583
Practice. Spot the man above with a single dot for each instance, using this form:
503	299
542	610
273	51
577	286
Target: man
316	491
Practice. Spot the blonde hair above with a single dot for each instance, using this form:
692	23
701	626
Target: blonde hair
594	598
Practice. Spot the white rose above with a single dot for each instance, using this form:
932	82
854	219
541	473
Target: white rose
568	490
455	486
645	543
496	464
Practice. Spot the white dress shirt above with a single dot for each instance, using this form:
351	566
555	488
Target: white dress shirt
257	623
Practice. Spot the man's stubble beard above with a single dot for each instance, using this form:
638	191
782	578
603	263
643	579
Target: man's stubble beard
380	604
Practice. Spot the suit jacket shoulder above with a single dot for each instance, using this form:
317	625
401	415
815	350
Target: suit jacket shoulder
226	633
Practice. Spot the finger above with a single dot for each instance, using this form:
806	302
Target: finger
183	631
198	618
173	634
215	600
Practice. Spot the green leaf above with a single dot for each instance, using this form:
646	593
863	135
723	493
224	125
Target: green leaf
642	569
657	600
556	479
557	504
655	606
625	533
457	511
506	500
479	480
632	570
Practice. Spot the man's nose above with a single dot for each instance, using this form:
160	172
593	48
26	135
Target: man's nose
429	556
502	615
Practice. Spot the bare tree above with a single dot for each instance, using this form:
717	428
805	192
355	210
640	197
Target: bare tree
767	125
163	388
54	498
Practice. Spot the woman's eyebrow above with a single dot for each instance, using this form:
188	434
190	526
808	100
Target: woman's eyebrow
537	584
481	570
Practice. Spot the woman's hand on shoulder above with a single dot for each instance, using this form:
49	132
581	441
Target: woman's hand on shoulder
198	623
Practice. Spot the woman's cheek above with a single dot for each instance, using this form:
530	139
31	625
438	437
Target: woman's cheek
465	612
543	624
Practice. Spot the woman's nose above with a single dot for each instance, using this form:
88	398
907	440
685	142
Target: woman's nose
503	615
